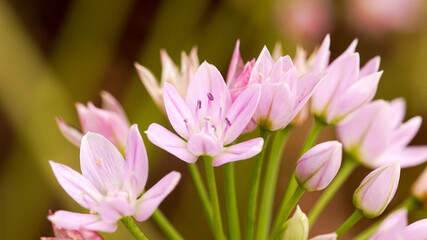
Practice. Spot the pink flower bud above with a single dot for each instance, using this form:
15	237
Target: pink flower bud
318	166
419	188
330	236
377	189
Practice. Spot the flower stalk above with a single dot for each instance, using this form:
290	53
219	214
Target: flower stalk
231	202
353	219
164	224
133	228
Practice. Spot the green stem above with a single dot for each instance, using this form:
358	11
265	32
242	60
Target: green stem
201	191
210	177
284	211
133	228
315	130
253	192
347	168
410	203
164	224
231	202
353	219
270	181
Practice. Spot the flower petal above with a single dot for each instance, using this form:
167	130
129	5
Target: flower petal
150	83
398	109
404	134
79	188
330	236
77	221
307	84
411	156
241	112
236	66
370	67
203	144
163	138
72	134
322	56
262	66
111	104
151	200
101	162
136	163
177	110
112	209
392	227
240	151
417	230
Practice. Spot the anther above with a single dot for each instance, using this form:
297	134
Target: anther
98	162
227	121
210	96
199	104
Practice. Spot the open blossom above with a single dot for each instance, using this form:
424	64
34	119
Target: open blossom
68	234
395	227
109	121
283	94
109	185
207	119
375	135
377	190
179	78
345	87
319	166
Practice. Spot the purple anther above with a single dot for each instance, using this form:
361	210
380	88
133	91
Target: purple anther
199	104
227	121
210	96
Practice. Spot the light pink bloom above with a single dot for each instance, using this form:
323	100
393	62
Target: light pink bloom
379	16
345	87
207	119
319	166
395	227
419	188
179	78
377	189
375	135
109	121
330	236
296	226
109	185
283	94
67	234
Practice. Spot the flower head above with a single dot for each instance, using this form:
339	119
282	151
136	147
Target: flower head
318	166
376	136
377	189
109	185
109	121
345	87
207	119
179	78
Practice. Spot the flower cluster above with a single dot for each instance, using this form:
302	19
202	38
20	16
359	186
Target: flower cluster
208	115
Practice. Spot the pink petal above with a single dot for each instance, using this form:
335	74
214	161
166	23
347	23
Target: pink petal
101	162
283	65
150	83
203	144
351	49
330	236
151	200
236	65
136	163
208	83
111	104
177	110
170	72
307	84
240	151
79	188
322	56
78	221
370	67
404	134
355	96
398	109
112	209
241	112
72	134
417	230
163	138
262	66
412	156
393	226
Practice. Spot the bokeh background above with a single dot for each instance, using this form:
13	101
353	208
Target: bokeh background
56	53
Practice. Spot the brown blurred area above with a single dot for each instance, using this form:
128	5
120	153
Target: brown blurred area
56	53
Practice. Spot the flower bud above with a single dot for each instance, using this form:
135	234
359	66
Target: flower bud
377	189
296	226
330	236
419	188
318	166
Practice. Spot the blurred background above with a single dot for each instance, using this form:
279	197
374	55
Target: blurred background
56	53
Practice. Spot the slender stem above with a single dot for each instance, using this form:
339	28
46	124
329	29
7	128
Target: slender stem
133	228
231	202
353	219
201	191
284	211
253	192
210	177
164	224
315	130
347	168
410	203
270	181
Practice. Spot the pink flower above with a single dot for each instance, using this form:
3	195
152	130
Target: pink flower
109	185
179	78
376	136
345	87
109	121
330	236
395	227
319	166
377	190
67	234
283	94
207	120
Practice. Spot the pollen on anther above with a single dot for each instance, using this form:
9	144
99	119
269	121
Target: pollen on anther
98	162
210	96
199	104
227	121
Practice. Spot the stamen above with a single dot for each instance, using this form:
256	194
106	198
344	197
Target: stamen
210	96
227	121
98	162
207	121
187	127
198	106
228	124
260	76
